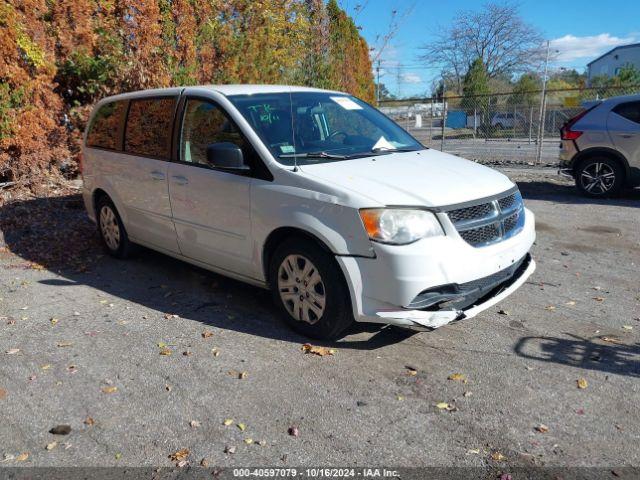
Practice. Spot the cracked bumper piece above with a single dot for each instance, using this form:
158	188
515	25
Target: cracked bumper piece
431	319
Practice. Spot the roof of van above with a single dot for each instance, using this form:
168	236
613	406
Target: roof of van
223	89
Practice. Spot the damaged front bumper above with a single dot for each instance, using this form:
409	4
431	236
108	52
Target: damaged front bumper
431	319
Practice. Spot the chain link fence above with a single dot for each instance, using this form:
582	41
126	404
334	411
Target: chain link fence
512	127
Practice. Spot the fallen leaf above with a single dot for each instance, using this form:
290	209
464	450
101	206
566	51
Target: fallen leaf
542	428
458	377
118	456
51	446
627	327
204	463
89	421
498	457
45	367
467	394
227	422
243	375
582	383
7	457
12	351
570	302
503	312
61	430
293	431
599	299
22	457
179	455
186	353
194	423
615	340
262	443
182	463
161	344
475	451
165	352
3	393
315	350
550	307
215	352
580	411
170	316
400	398
53	320
109	389
65	344
241	426
443	406
168	388
248	441
207	334
230	450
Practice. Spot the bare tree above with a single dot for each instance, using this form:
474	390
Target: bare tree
496	34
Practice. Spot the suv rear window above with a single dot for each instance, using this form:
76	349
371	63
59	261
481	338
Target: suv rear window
630	111
148	130
104	131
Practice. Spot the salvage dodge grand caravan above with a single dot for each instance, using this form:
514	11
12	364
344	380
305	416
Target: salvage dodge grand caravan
313	194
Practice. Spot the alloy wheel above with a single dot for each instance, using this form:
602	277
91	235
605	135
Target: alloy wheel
598	178
301	289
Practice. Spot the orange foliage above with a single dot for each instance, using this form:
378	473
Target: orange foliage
58	57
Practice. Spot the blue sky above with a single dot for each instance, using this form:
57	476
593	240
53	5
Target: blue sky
580	31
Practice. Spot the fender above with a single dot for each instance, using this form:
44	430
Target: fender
605	151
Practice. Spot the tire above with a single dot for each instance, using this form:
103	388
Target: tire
113	235
316	291
599	177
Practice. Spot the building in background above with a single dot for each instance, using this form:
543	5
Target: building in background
610	63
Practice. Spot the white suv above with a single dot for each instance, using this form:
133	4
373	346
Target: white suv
311	193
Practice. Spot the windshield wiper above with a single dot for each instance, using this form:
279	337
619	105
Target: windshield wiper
392	150
313	155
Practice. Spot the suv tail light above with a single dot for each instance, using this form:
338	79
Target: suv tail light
567	132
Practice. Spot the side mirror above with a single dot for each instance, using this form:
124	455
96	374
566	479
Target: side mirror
226	155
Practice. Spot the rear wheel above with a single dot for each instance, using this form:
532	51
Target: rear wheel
599	177
112	233
310	290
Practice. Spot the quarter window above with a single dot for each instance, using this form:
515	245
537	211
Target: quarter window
204	124
630	111
104	131
149	124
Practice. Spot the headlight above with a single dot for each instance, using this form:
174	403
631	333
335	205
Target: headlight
399	226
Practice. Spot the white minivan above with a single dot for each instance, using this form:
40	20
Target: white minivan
313	194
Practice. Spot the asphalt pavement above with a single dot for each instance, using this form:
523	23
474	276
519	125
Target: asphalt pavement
148	357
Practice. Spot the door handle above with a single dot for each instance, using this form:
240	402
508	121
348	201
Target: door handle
180	180
156	175
626	135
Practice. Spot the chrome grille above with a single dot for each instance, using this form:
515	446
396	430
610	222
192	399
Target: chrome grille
489	222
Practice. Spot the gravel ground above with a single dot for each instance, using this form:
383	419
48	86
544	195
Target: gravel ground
81	343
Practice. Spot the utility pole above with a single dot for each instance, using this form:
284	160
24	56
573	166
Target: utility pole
543	101
378	82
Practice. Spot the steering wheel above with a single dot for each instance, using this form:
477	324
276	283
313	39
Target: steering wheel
336	133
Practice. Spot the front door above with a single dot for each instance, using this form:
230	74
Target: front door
211	206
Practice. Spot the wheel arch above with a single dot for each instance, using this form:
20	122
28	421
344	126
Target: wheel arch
605	152
282	234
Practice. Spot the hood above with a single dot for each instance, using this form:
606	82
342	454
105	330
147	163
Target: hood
427	178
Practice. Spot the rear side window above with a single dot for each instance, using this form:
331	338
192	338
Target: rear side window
104	131
148	130
630	111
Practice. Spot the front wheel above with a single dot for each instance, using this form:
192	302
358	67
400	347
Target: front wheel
599	177
310	290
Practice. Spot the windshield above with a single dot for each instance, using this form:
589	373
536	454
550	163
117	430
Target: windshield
312	127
